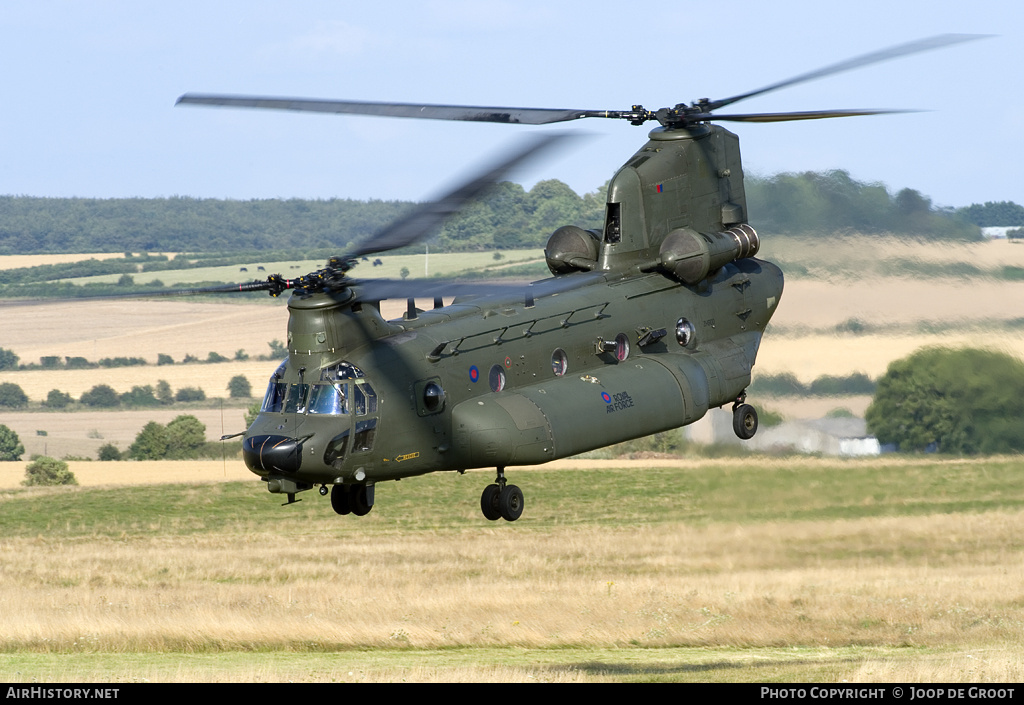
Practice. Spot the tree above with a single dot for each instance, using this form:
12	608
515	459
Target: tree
48	471
963	401
150	443
997	214
12	396
278	351
140	396
10	445
252	412
163	392
239	386
8	360
190	394
57	399
101	395
108	451
186	435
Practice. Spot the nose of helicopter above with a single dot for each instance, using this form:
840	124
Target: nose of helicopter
272	453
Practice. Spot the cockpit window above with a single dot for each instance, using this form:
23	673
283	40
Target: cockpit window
276	390
328	399
340	371
295	402
274	400
341	389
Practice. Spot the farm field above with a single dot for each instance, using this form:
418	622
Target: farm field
829	284
760	570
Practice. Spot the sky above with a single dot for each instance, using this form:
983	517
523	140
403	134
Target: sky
88	92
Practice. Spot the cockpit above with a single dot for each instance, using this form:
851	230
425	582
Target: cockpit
342	389
341	393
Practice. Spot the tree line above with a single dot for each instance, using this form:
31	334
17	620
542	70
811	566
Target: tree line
509	216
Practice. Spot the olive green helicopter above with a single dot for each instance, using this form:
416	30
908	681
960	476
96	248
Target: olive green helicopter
643	327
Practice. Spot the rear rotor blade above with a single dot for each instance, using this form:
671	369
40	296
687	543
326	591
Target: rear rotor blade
936	42
787	117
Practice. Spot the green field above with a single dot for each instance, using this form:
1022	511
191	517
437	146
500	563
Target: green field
904	570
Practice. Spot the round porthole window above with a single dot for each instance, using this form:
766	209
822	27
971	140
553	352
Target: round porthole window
433	397
621	347
684	332
559	362
497	378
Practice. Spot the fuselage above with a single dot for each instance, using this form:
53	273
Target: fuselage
492	382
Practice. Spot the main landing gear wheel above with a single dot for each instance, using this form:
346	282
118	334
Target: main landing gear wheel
510	502
489	502
501	501
352	499
340	499
744	421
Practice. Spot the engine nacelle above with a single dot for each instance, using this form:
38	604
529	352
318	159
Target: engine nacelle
691	256
572	249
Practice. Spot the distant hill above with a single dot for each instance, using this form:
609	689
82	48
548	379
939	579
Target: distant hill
825	203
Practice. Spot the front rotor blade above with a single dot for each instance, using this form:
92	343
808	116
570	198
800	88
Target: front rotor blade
468	113
155	293
422	221
380	289
936	42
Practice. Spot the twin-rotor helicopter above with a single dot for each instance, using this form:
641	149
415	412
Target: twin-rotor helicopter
643	326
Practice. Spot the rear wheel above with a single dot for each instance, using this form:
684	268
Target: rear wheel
744	421
489	502
510	503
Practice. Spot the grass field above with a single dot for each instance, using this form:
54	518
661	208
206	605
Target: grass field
768	570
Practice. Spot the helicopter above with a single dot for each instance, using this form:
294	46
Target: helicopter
643	326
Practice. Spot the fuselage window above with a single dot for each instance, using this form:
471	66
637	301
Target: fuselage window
559	362
621	347
364	398
366	431
497	378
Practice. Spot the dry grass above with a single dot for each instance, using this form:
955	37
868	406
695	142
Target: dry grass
852	251
19	261
674	585
934	597
810	356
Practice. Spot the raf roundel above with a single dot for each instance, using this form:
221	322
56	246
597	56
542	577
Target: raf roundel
607	397
474	373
